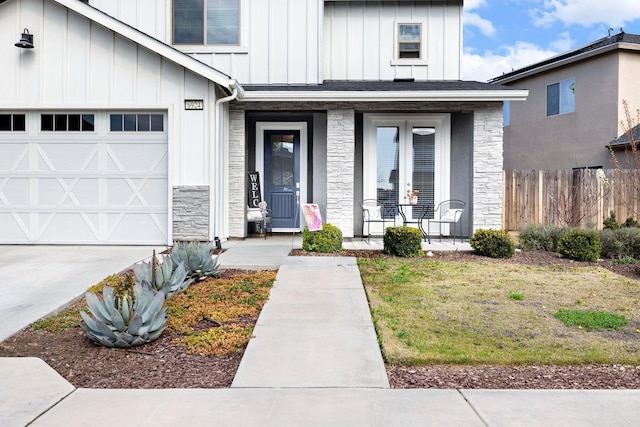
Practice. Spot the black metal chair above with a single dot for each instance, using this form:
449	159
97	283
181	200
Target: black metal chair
448	212
375	212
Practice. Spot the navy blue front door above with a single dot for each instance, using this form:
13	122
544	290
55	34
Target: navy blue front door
282	177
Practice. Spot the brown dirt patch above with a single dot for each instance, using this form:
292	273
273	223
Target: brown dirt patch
162	364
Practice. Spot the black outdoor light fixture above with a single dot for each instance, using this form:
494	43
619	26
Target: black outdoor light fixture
26	40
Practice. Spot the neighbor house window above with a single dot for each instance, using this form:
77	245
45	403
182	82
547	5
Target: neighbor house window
12	122
206	22
409	41
136	123
67	122
561	97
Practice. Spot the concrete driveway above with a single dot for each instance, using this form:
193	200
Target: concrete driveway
37	280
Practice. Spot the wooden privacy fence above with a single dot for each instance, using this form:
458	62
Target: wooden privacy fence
577	198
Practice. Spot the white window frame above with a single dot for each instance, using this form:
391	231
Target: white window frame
422	60
243	34
406	122
559	83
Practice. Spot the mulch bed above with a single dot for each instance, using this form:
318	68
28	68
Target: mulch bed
162	364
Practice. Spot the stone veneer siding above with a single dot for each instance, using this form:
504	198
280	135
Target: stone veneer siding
340	169
191	212
487	168
237	173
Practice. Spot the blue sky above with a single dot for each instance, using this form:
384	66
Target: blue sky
501	35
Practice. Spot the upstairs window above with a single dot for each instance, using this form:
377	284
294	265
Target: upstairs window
409	41
561	97
213	22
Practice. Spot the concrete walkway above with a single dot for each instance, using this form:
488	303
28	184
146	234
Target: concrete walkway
313	362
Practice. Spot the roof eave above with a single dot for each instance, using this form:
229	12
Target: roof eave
149	42
508	78
384	96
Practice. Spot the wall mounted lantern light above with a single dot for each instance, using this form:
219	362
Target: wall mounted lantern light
26	40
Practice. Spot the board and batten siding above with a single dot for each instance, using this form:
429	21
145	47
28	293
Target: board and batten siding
280	40
77	65
359	40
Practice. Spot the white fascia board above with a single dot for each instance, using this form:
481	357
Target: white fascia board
148	42
385	96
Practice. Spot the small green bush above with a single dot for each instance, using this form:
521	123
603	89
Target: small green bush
493	243
402	241
630	223
535	237
621	243
591	319
611	223
580	245
327	240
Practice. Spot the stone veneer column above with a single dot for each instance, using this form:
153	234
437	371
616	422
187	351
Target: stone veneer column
191	212
340	169
487	168
237	173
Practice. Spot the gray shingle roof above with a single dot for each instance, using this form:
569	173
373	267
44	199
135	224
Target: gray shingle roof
598	44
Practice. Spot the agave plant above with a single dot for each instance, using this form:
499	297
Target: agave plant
121	322
170	278
196	257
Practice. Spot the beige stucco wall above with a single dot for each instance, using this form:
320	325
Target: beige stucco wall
629	88
578	139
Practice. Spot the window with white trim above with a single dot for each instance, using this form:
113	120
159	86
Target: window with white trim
12	123
206	22
561	97
409	41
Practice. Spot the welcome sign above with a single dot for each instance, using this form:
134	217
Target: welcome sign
255	196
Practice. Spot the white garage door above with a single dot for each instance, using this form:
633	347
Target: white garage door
83	178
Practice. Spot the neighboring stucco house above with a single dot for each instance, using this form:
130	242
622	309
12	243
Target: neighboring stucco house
137	121
575	105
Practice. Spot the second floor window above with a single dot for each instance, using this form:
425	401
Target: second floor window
206	22
409	41
561	97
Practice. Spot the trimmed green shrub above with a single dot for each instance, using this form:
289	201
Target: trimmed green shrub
402	241
493	243
630	223
327	240
535	237
621	243
580	245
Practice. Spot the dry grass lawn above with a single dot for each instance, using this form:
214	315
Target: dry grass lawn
434	312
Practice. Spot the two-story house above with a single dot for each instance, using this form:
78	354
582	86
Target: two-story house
575	107
138	121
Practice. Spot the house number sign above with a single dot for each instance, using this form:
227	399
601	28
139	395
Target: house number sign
193	104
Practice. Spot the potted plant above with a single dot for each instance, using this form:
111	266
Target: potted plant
412	196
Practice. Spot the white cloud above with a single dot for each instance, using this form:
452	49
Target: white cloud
587	12
485	26
473	4
492	64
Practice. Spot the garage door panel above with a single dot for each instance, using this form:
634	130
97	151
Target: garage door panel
84	187
148	157
14	191
67	157
68	192
55	227
15	226
133	227
14	157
